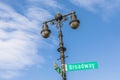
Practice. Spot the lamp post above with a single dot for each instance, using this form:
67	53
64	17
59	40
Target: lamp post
59	18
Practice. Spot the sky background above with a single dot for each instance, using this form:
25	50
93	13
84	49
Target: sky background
25	55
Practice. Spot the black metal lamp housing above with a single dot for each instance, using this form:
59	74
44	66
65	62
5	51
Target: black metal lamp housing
45	31
74	23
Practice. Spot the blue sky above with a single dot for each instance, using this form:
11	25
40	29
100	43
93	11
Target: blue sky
25	55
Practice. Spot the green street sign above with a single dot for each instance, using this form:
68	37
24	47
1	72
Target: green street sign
81	66
58	69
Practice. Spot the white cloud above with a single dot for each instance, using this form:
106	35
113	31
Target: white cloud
105	7
19	39
50	3
9	74
88	4
37	14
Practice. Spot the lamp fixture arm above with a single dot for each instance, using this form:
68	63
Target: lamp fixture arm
52	20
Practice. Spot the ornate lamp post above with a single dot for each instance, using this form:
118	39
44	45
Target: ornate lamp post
74	23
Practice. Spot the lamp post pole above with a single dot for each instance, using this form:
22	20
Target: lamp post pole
61	49
74	23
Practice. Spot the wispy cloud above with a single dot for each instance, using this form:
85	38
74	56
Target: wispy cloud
104	7
48	3
88	4
19	39
20	35
36	14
